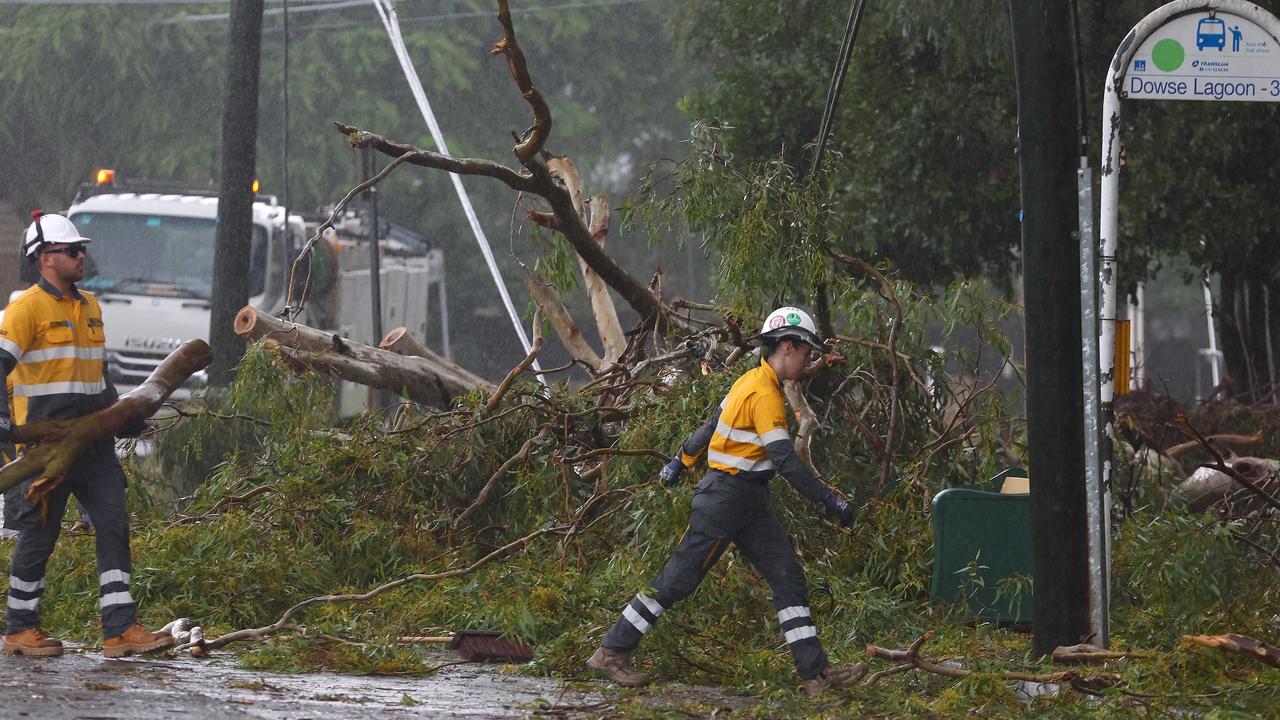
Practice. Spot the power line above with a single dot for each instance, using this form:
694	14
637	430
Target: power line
145	2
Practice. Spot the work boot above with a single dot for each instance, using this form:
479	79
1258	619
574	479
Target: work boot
617	665
833	677
33	642
136	639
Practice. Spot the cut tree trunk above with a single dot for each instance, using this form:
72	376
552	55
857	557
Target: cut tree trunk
431	381
50	446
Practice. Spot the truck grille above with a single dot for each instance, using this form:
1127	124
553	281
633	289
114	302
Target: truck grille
134	366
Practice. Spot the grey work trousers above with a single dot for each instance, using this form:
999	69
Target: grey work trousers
729	510
98	482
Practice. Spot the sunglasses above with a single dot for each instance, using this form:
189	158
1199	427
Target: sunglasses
74	251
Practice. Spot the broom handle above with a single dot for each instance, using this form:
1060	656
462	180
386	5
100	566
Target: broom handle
424	639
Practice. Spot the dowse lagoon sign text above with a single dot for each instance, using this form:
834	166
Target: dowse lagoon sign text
1206	56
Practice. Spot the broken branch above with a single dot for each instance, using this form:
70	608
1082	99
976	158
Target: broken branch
521	455
496	397
912	656
51	446
438	161
1241	644
285	624
509	48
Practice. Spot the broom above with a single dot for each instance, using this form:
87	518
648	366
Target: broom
478	646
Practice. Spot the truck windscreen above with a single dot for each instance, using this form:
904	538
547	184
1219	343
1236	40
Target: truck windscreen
157	255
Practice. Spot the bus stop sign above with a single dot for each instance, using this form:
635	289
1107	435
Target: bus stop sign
1211	56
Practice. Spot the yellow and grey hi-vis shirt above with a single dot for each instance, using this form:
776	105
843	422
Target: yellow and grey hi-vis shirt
52	355
747	436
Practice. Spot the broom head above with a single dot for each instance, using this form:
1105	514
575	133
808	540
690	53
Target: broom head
489	646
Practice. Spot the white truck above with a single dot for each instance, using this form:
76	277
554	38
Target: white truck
151	266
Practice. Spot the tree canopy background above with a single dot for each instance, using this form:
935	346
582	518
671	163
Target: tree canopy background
922	171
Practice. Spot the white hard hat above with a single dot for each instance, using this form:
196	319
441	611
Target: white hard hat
48	229
795	323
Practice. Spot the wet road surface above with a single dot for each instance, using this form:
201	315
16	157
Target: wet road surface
86	686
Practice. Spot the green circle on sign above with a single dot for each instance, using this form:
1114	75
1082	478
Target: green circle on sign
1168	54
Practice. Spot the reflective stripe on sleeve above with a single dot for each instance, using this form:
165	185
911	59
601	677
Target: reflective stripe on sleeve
69	352
111	576
636	619
793	612
734	461
17	583
801	633
115	598
59	388
652	605
17	604
775	435
12	348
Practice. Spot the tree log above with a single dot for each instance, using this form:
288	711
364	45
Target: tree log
400	375
1249	483
430	381
400	342
50	446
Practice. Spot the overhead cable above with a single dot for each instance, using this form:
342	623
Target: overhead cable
387	12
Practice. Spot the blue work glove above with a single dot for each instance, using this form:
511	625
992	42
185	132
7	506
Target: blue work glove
839	510
670	475
6	430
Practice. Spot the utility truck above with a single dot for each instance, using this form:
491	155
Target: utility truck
150	264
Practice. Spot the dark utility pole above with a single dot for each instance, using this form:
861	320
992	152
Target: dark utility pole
235	193
1048	149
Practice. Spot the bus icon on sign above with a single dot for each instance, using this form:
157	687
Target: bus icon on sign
1211	32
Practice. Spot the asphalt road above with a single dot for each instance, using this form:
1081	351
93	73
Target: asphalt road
82	685
85	686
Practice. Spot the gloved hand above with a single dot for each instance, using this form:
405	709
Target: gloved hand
839	510
135	428
670	474
6	430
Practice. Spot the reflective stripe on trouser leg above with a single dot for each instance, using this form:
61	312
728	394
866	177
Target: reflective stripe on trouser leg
24	595
693	556
101	491
766	546
36	539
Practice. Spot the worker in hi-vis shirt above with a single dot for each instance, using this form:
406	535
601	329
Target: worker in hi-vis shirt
53	366
746	443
